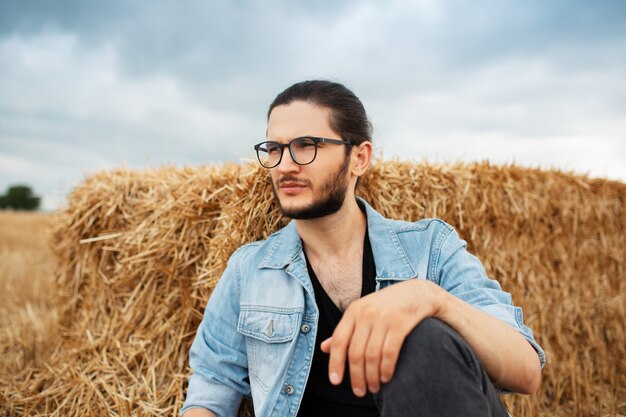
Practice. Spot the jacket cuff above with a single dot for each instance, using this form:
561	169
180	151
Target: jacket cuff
207	393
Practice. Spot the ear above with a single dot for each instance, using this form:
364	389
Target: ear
361	158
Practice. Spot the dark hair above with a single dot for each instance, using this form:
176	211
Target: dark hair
347	114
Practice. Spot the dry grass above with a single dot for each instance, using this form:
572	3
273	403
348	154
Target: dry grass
139	253
28	318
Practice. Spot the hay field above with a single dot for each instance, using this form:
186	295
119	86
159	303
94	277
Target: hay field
140	251
28	310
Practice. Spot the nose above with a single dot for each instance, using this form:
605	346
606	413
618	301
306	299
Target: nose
287	164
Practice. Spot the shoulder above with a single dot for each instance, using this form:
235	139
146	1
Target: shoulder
427	225
256	250
381	224
431	236
430	229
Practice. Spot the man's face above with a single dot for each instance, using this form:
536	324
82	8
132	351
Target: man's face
314	190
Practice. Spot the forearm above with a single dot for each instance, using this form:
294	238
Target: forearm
508	358
198	412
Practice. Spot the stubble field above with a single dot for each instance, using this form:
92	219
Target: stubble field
28	312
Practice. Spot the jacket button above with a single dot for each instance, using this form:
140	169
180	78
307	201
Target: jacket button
305	328
289	389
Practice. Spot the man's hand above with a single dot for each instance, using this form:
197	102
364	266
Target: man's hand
372	332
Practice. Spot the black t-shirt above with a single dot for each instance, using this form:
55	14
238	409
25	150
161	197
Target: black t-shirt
321	398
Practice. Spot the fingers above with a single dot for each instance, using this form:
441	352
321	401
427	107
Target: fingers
370	336
373	358
389	355
325	345
339	343
356	358
360	343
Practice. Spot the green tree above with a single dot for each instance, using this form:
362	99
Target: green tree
19	197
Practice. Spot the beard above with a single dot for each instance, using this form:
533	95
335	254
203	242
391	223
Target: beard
329	199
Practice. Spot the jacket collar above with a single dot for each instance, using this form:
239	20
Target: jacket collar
389	256
286	246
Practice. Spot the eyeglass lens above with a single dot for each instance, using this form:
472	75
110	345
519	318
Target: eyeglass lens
302	151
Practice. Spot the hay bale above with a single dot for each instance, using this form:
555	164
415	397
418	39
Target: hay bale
140	251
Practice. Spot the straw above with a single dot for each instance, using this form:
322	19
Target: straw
140	251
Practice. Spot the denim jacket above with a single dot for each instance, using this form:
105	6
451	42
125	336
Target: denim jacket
258	331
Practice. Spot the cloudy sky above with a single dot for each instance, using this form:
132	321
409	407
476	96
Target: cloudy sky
93	85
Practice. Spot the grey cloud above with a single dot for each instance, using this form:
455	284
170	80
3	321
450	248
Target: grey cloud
222	50
189	82
209	42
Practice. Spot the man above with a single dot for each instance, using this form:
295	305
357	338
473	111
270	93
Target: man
344	312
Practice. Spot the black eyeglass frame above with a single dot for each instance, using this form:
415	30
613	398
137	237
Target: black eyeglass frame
316	141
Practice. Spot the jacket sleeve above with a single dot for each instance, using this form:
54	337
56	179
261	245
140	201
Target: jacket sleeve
463	275
218	356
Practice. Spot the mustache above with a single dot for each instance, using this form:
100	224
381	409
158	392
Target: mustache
290	178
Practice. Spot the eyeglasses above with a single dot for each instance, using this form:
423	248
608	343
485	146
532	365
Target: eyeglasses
303	150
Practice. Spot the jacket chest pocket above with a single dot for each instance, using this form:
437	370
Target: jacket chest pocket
268	333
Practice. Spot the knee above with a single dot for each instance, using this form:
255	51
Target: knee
437	373
430	357
431	326
430	333
432	343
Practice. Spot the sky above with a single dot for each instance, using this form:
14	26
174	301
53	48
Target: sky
96	85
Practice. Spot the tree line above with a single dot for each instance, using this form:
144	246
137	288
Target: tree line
19	197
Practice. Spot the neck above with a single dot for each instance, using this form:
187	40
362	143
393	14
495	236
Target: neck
335	235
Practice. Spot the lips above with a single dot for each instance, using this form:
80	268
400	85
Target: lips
291	187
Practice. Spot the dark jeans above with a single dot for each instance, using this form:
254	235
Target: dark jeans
438	374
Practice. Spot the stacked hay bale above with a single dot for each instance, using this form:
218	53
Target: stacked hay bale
139	253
